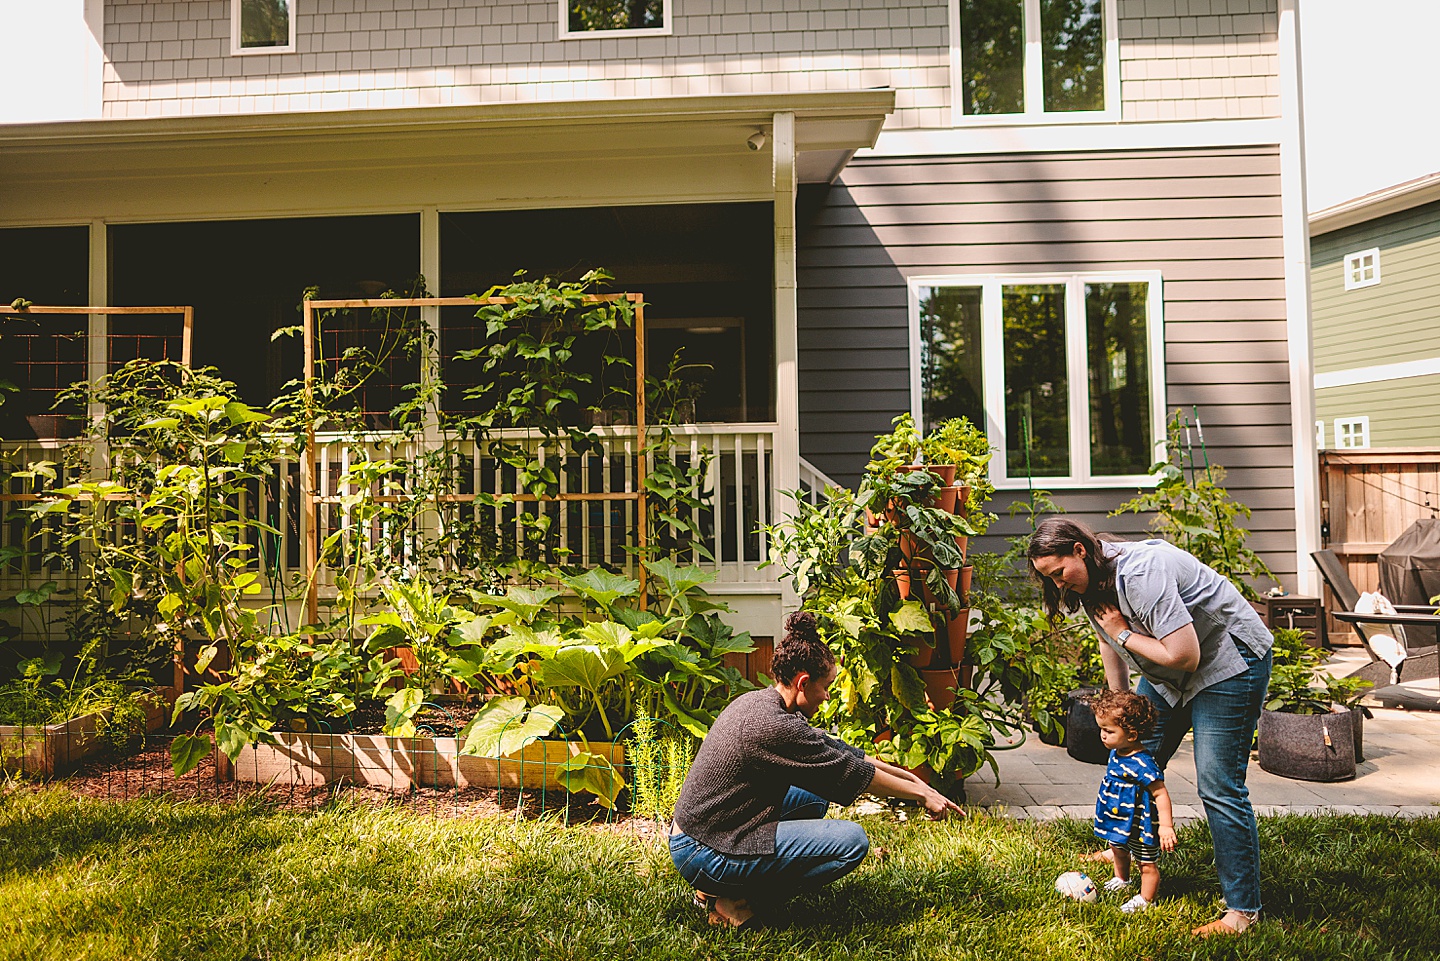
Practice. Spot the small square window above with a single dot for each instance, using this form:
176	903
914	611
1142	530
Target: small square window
614	18
1352	432
262	26
1362	269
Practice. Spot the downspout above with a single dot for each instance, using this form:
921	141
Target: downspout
1296	234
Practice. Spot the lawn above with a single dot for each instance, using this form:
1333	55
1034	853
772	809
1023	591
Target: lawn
153	878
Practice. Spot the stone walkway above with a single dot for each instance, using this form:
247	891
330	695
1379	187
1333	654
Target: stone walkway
1400	776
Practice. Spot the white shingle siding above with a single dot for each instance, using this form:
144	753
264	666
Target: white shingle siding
1199	59
1180	59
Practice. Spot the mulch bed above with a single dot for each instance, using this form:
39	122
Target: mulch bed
147	773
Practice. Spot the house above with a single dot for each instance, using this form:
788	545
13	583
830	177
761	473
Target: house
1061	218
1374	264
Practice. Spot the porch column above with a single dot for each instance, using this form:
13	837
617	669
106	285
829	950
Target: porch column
786	464
98	334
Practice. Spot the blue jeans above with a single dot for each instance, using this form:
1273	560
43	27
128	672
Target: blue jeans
1223	719
809	852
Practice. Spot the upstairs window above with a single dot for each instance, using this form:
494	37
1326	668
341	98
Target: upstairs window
262	26
1352	432
614	18
1362	269
1064	372
1026	59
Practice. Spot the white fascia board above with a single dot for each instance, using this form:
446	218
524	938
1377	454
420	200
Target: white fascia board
1380	203
1426	367
1053	137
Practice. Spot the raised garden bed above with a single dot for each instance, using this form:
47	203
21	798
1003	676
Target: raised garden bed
44	750
402	763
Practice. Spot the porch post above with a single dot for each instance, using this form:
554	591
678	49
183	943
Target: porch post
786	464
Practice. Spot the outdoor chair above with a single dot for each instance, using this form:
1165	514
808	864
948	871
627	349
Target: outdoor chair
1420	662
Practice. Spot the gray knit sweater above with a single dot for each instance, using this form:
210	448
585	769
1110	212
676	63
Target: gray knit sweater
754	753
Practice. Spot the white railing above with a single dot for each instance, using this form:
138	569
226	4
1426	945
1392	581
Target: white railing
813	481
597	527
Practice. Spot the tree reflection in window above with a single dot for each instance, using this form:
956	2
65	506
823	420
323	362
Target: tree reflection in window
1120	435
591	15
264	23
951	364
1037	410
1072	37
992	56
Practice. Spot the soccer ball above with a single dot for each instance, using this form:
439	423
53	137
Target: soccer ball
1078	886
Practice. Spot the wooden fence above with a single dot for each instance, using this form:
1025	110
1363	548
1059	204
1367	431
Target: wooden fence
1367	499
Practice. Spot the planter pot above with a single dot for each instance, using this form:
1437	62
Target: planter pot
967	574
1358	715
401	763
962	543
946	472
924	657
1054	739
1308	747
48	749
940	687
957	630
902	583
962	500
1082	734
944	499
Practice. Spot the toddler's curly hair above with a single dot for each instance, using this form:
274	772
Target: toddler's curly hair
1131	711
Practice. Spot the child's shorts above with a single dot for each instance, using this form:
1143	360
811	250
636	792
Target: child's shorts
1142	852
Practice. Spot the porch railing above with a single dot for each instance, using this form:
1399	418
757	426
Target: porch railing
736	489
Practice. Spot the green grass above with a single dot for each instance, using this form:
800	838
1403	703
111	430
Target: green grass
150	878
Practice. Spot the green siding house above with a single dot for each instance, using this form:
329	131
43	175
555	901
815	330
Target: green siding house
1375	288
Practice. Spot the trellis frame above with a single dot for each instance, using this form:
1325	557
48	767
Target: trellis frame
187	313
309	501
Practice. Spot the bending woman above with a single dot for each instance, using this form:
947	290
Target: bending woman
1204	656
749	823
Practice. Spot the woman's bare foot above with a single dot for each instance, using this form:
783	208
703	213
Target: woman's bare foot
1105	854
730	911
1233	922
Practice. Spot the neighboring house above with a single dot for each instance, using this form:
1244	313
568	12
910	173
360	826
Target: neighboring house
1061	217
1375	286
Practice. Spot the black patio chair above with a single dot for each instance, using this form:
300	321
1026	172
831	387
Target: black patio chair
1420	662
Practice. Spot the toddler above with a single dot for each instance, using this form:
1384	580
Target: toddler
1133	810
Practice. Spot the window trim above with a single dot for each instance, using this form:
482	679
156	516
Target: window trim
1034	74
668	12
1363	422
1351	265
1320	434
236	50
993	365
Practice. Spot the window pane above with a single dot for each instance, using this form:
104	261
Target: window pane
264	23
616	14
41	354
1072	35
1120	430
1037	415
992	57
950	372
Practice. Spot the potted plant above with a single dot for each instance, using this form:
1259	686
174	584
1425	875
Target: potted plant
1311	726
960	443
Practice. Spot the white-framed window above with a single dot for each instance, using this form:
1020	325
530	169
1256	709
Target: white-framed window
615	18
1319	435
1066	372
1352	432
1362	269
1027	61
262	26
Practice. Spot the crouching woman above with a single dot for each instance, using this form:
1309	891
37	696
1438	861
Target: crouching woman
750	823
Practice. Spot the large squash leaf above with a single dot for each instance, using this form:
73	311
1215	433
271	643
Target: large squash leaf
505	725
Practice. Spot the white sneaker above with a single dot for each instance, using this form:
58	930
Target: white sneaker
1116	884
1135	905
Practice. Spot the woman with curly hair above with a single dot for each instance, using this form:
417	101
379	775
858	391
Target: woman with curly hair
1204	658
750	822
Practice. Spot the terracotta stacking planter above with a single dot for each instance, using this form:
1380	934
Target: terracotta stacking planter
925	656
902	581
946	472
940	687
957	630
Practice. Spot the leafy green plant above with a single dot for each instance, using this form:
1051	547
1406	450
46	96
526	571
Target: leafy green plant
899	448
1197	514
1298	683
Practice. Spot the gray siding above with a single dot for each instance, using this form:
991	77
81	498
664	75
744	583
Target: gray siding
1208	220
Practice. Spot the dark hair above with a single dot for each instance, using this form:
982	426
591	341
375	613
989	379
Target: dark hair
1057	537
800	651
1132	711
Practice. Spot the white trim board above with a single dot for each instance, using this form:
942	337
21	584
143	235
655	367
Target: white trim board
1074	136
1425	367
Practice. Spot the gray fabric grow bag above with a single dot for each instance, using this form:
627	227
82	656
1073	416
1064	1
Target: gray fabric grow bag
1293	745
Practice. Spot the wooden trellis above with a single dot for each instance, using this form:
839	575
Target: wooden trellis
309	499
